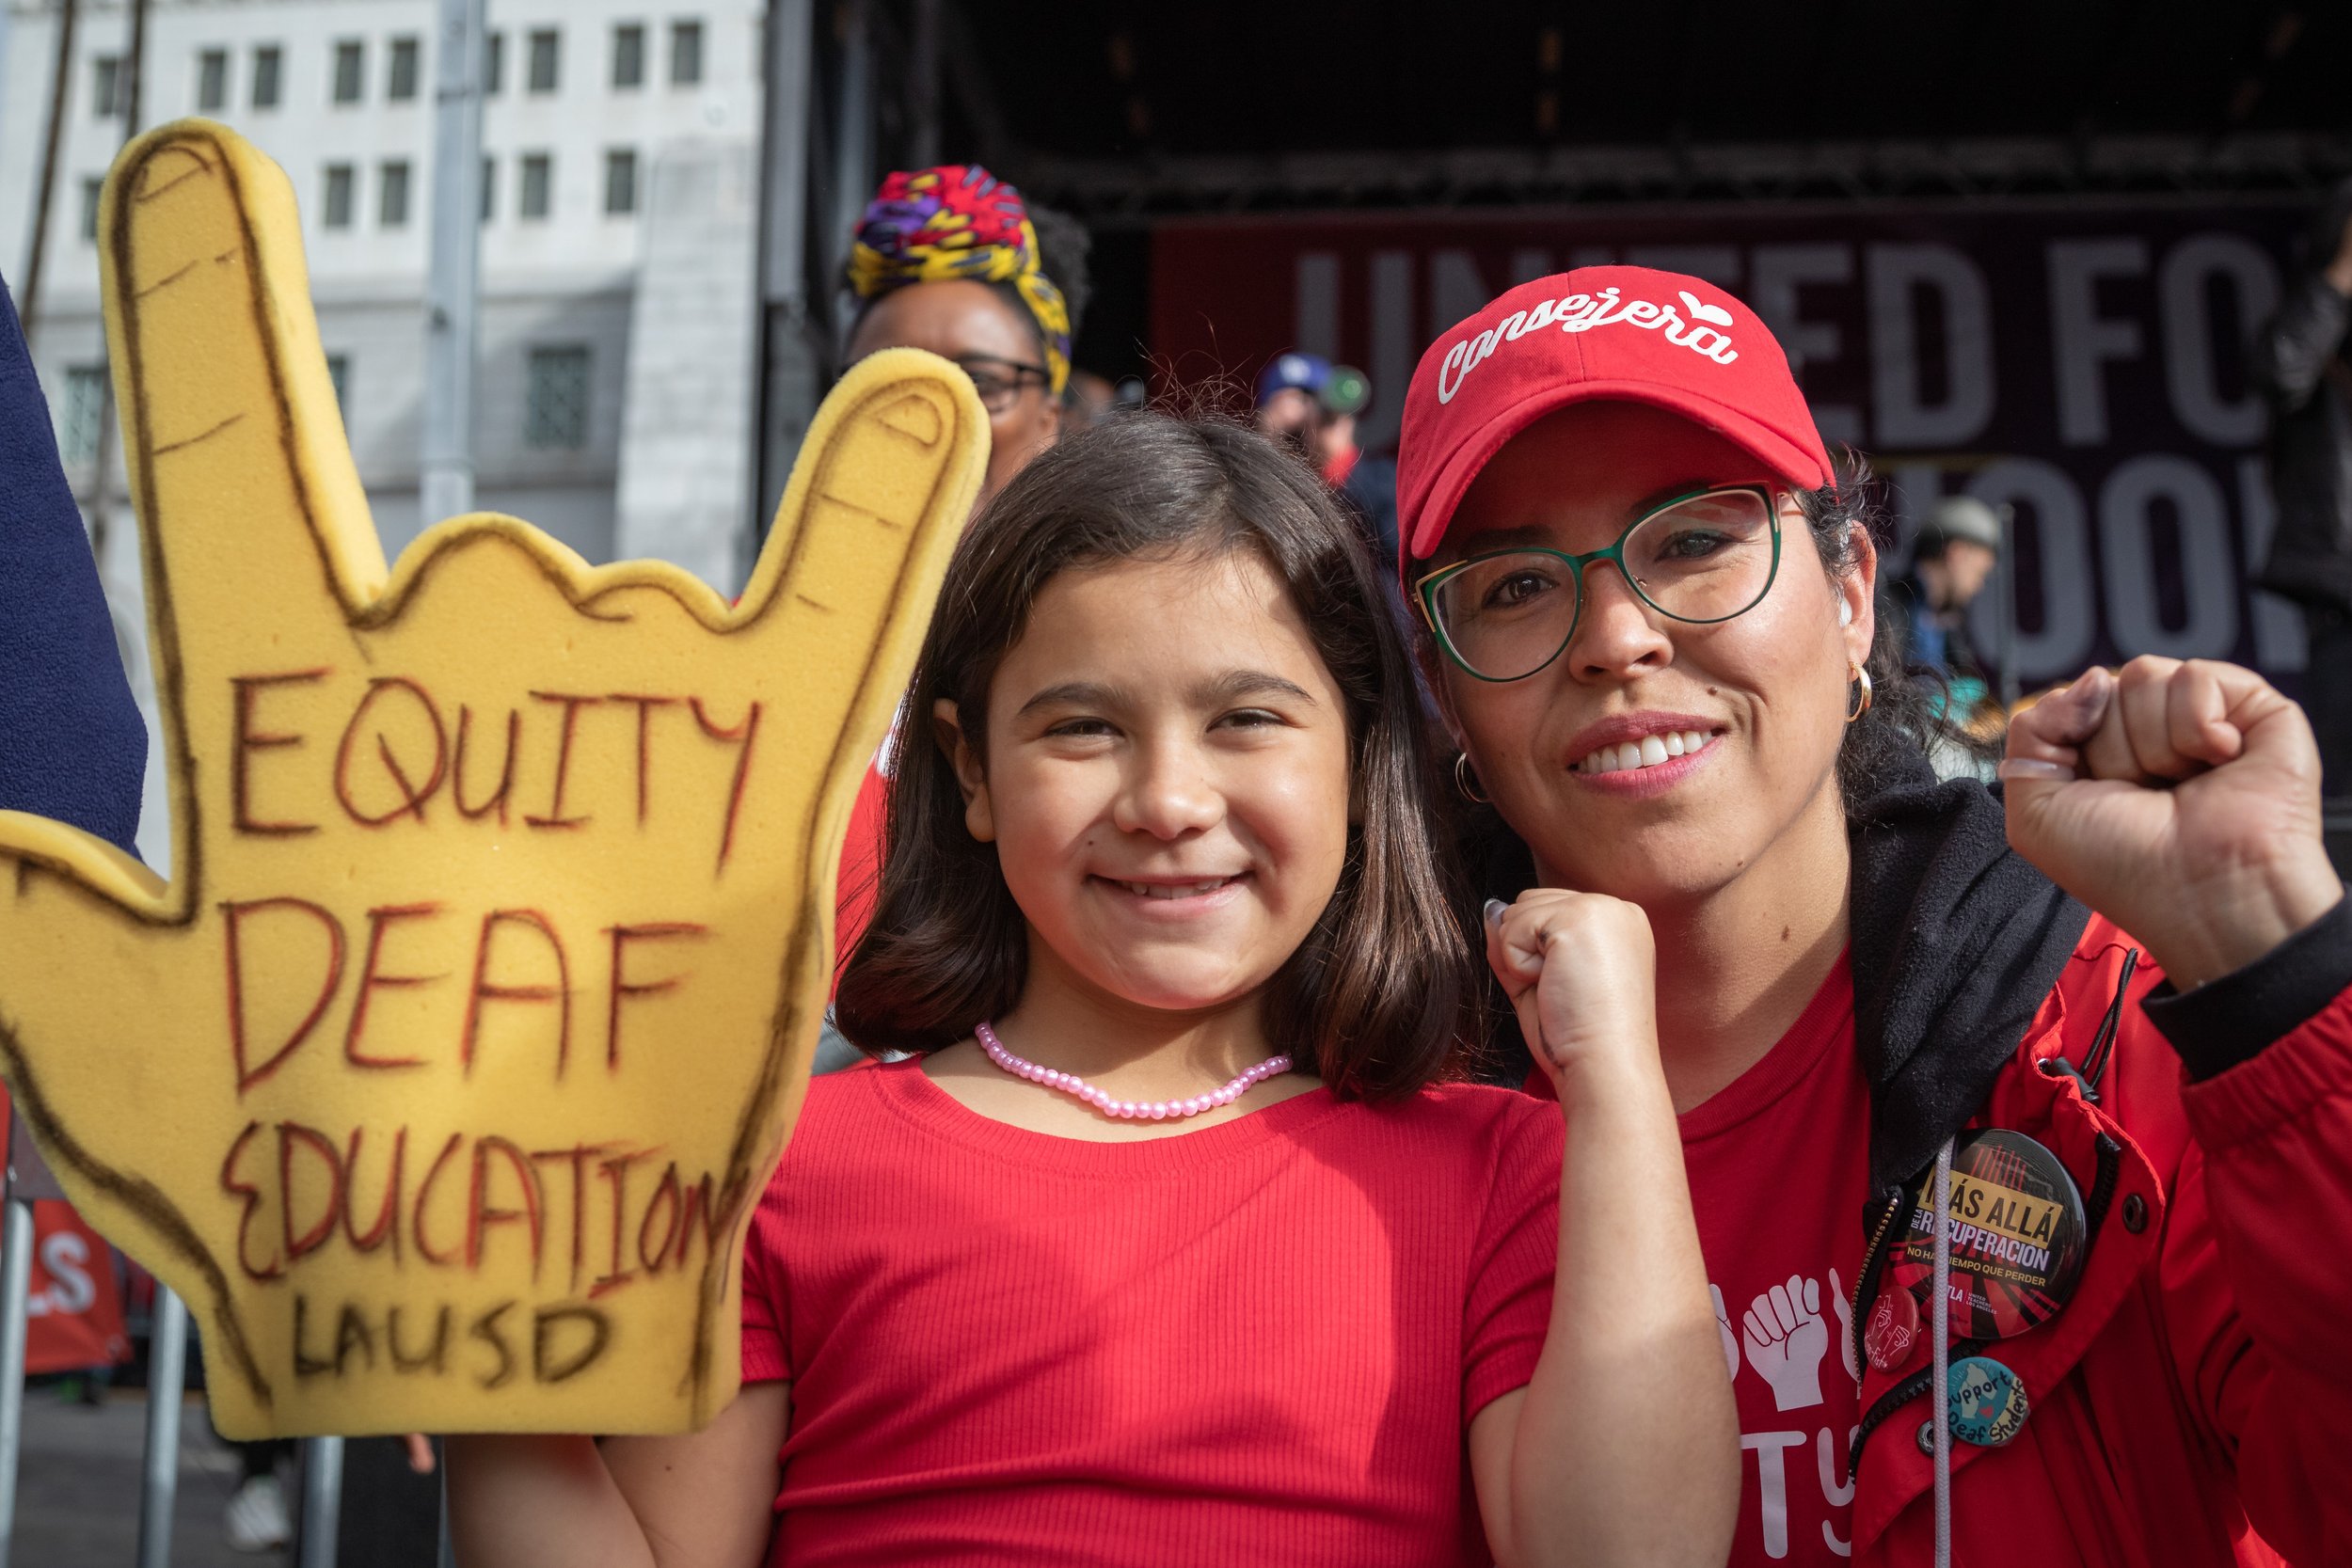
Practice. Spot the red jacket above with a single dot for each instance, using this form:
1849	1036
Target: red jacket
2198	1387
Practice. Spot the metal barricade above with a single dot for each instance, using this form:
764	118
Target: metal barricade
16	1278
166	1384
166	1392
322	1499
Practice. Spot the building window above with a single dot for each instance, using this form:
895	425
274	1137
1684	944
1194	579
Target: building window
391	194
350	63
556	408
628	55
493	65
89	209
78	413
105	86
686	53
403	86
620	181
265	62
543	60
212	81
338	371
489	189
538	175
338	214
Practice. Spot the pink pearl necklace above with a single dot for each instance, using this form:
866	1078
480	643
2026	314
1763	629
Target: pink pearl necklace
1130	1110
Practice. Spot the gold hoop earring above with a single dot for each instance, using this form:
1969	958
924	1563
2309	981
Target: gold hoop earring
1863	704
1467	781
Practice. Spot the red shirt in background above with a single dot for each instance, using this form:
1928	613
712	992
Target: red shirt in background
1336	471
858	887
1259	1343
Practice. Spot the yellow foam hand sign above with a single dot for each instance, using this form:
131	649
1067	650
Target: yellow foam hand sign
443	1075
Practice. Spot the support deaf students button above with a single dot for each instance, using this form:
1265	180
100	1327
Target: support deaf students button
1985	1401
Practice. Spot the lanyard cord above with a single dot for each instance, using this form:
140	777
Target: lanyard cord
2096	1062
1937	1396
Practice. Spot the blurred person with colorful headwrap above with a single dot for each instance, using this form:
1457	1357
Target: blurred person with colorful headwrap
951	260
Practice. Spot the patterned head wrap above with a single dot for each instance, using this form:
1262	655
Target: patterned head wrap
936	225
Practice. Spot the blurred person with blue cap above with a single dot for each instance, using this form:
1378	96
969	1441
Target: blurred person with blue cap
1311	405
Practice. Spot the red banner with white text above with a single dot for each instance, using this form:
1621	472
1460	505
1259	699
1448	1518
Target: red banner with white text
75	1310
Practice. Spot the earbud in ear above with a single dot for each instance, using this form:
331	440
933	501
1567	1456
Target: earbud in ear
1845	613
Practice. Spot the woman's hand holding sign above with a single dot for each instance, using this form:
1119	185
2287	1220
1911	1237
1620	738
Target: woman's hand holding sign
2182	801
441	1074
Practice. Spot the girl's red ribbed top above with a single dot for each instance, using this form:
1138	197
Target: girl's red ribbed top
1259	1343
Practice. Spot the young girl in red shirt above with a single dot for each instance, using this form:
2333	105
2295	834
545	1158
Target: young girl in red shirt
1159	1231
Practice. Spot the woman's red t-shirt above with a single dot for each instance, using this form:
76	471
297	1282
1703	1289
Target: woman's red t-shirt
1259	1343
1778	1163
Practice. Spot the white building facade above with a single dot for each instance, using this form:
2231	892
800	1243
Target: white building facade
620	167
614	383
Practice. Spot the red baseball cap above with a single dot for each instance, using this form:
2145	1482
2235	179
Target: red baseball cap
1632	334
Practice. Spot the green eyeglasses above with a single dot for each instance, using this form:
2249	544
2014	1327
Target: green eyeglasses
1698	558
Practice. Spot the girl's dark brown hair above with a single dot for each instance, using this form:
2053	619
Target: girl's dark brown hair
1377	996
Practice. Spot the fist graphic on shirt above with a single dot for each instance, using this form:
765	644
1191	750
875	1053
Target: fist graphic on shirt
1722	1328
1786	1338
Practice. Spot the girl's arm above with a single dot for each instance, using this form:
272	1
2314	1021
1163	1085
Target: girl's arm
1624	1447
703	1500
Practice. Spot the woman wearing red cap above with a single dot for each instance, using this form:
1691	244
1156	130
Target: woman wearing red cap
2029	1219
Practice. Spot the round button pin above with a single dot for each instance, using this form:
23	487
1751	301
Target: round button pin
1892	1328
2017	1237
1984	1402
